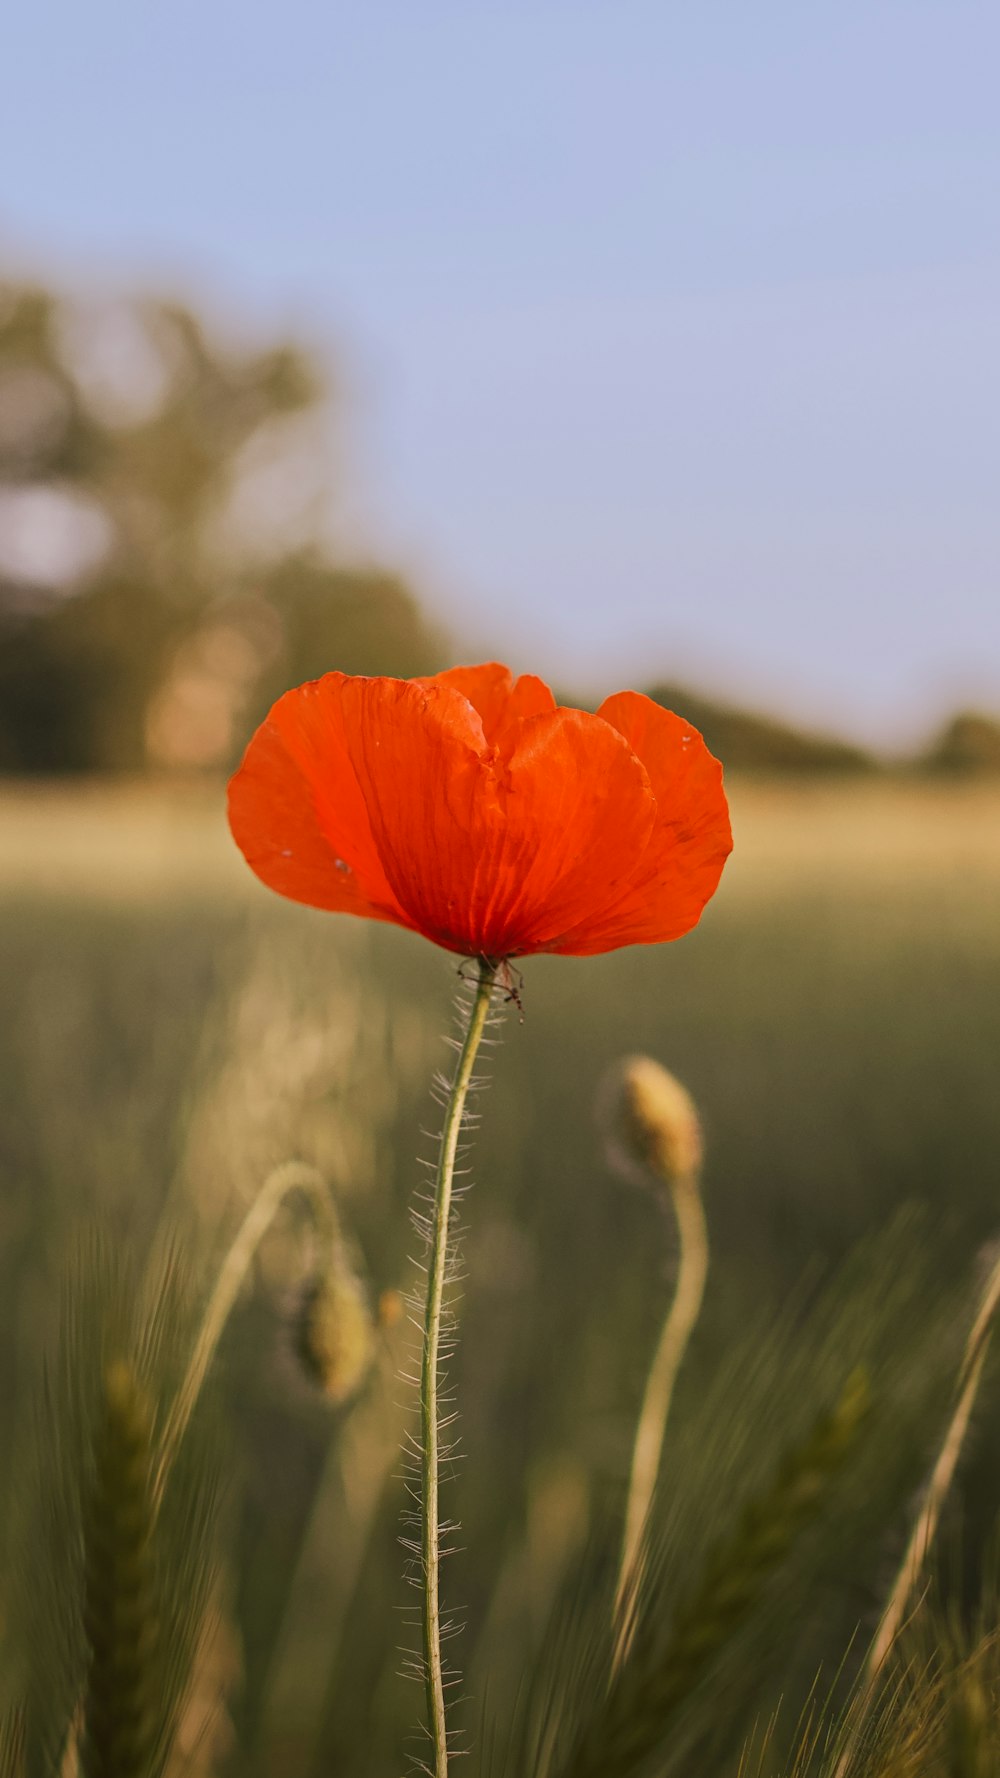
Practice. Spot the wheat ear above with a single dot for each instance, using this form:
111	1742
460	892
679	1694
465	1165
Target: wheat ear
657	1678
120	1616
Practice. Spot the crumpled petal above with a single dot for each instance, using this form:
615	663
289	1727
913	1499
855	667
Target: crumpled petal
493	851
468	807
500	699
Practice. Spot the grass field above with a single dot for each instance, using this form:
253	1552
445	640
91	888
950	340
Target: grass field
132	840
169	1032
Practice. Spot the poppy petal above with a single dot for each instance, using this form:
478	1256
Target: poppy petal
296	811
468	807
691	838
489	854
417	749
500	699
590	812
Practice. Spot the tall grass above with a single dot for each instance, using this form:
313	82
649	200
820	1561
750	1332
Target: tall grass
157	1059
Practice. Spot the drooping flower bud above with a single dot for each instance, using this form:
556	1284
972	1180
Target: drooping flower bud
652	1119
335	1333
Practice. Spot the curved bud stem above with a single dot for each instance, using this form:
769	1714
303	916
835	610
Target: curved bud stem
291	1176
430	1363
648	1449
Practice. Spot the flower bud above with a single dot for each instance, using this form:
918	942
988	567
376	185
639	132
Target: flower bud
654	1121
335	1333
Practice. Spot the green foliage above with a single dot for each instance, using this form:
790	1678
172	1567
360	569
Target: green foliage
171	612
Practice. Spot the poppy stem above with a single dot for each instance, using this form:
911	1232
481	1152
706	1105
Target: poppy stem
647	1453
429	1414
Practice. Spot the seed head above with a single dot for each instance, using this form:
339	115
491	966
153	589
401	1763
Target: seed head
335	1333
652	1120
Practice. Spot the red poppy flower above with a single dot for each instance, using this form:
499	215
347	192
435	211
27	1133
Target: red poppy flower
472	809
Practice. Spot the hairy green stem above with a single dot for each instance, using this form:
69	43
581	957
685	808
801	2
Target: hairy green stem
430	1361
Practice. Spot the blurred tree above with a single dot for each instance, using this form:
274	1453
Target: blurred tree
162	574
751	742
968	745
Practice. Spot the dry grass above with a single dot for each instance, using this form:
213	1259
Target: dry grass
130	841
884	830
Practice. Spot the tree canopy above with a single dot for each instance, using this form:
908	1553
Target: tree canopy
164	571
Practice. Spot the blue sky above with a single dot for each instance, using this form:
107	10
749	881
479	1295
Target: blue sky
669	335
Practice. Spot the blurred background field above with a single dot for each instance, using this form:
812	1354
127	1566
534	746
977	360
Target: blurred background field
169	1033
634	346
137	839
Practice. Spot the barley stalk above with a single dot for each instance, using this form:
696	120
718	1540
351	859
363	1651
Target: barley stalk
942	1476
969	1752
656	1678
120	1617
925	1528
12	1743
